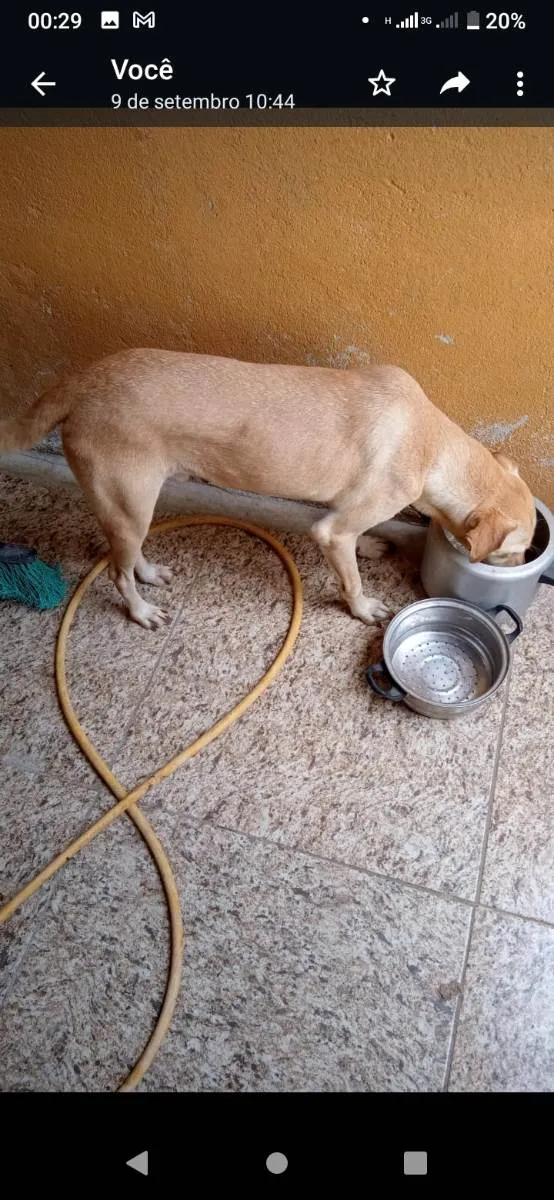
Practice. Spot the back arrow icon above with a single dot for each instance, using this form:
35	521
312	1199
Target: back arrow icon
40	82
459	81
139	1163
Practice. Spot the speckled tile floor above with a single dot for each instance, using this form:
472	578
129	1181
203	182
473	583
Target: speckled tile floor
367	895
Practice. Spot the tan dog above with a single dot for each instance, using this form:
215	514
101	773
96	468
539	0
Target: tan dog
366	443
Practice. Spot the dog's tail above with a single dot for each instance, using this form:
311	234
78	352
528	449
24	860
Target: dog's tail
20	433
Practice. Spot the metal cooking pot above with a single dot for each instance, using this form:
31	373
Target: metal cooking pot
447	571
444	658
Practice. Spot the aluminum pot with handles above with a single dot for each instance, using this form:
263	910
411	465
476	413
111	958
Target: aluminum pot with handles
444	658
446	569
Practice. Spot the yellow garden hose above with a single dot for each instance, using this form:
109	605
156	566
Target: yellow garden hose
128	801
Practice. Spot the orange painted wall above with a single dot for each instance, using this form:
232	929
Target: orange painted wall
431	248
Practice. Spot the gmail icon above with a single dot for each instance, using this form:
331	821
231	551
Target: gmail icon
147	19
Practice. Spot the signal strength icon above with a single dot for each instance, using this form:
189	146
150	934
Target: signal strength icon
410	22
450	22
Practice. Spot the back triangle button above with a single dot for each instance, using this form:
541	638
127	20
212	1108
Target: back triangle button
139	1163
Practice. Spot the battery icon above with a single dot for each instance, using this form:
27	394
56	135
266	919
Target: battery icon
473	20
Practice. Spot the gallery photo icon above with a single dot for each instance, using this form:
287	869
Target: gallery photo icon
415	1162
109	19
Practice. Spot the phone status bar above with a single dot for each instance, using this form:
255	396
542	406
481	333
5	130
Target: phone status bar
468	21
168	60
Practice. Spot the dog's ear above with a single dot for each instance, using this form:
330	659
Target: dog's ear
508	463
484	531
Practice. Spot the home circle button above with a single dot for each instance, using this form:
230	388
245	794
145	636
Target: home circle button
276	1163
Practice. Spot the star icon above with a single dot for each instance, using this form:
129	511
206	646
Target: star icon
381	83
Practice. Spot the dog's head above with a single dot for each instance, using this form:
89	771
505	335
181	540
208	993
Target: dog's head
500	532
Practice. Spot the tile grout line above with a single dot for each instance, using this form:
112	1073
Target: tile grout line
146	690
48	890
476	901
99	788
345	866
515	916
6	990
342	864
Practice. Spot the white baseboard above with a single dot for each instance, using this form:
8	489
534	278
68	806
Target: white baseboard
193	496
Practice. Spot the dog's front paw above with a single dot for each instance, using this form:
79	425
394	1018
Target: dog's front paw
369	610
148	615
371	547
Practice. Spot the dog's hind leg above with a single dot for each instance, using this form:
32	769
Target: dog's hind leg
126	537
123	498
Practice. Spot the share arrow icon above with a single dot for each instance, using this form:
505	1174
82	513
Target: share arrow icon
459	81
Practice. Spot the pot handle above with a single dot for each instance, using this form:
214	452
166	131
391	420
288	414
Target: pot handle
373	674
510	637
548	576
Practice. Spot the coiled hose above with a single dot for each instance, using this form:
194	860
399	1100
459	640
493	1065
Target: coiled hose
128	802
